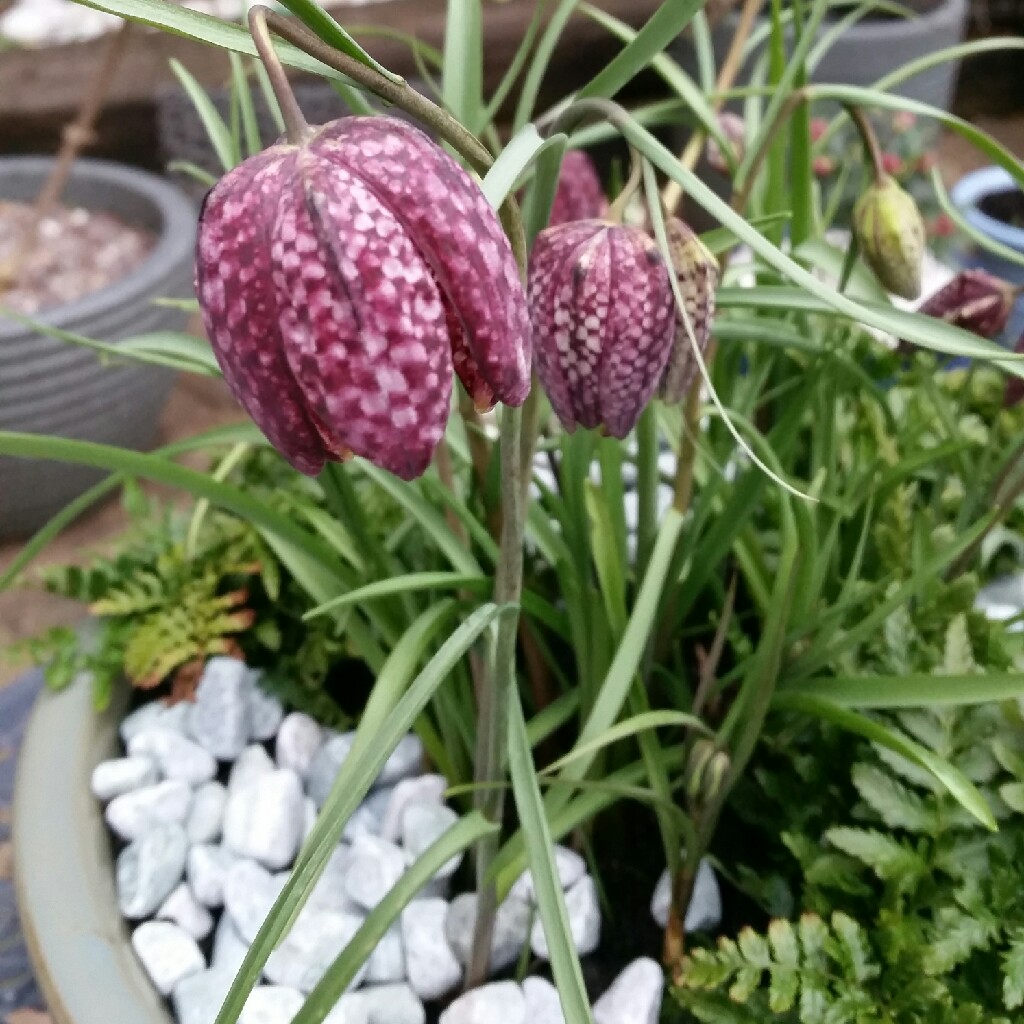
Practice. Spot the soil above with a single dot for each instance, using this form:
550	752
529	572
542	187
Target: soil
77	252
1006	206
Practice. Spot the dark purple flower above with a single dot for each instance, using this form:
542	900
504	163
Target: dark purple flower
973	300
342	281
603	321
579	194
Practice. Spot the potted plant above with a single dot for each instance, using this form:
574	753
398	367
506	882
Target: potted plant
596	636
89	248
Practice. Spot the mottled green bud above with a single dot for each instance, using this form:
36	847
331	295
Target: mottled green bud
714	775
889	228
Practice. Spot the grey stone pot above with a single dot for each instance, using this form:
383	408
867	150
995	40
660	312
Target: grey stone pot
50	387
64	874
872	48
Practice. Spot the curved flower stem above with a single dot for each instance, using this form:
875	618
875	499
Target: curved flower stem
296	127
492	720
636	170
401	95
870	140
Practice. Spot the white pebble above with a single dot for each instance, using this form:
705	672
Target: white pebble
115	778
265	819
500	1001
298	741
207	815
184	910
133	814
430	963
177	756
271	1004
584	920
424	824
155	715
265	711
167	952
704	912
206	869
571	868
326	764
423	789
405	760
253	763
634	996
374	866
219	718
543	1005
148	870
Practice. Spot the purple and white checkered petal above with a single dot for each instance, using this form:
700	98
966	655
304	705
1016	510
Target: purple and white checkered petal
641	329
456	231
363	322
579	194
552	284
239	307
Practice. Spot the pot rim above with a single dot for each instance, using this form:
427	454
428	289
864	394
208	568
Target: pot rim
977	185
177	233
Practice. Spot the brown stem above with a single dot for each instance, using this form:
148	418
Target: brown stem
870	140
296	127
673	191
683	486
75	137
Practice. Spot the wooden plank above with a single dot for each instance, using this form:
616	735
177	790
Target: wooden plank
36	83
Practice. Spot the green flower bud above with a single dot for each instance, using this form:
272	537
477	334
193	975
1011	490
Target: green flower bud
889	228
700	754
714	775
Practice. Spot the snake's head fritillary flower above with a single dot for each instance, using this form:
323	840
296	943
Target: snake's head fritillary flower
890	231
696	270
603	322
341	282
579	194
974	300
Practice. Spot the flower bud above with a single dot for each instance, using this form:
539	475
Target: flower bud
890	231
341	281
579	194
735	133
973	300
700	757
603	320
697	272
714	776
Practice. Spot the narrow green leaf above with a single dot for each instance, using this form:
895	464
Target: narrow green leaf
317	20
216	130
463	834
910	691
610	569
630	727
409	583
517	63
462	86
388	717
541	60
611	696
172	350
240	87
661	29
565	964
959	786
432	521
193	171
513	161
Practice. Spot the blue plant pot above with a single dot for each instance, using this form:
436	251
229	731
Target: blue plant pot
967	195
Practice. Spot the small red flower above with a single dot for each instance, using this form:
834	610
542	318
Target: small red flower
818	127
341	281
823	166
603	321
904	120
941	226
579	194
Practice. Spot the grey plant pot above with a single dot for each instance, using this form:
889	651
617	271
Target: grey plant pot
64	876
872	48
50	387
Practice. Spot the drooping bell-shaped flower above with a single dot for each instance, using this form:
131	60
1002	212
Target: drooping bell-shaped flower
343	279
603	318
974	300
696	270
889	228
579	194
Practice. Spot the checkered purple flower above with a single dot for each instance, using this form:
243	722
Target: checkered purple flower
342	281
603	322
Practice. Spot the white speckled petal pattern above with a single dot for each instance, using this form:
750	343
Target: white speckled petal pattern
240	310
603	317
459	235
362	320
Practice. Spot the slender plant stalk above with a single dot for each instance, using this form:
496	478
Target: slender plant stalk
870	140
672	194
296	128
492	729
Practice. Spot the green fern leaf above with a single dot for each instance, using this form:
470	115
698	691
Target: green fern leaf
852	949
896	804
954	937
1013	972
887	857
958	653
